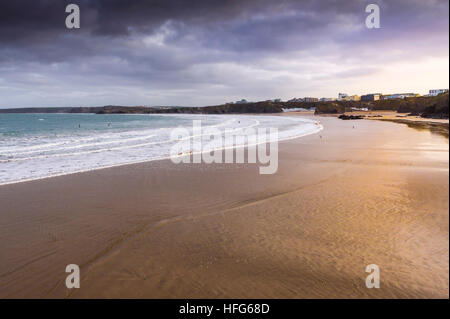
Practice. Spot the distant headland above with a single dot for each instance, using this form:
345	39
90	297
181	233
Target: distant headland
425	106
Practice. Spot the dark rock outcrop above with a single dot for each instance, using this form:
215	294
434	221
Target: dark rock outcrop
426	106
257	107
351	117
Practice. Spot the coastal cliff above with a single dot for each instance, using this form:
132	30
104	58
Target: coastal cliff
427	106
256	107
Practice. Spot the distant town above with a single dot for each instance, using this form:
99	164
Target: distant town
432	105
355	97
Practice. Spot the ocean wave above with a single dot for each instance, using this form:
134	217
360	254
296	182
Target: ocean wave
58	157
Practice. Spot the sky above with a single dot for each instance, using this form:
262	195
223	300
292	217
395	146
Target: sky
196	53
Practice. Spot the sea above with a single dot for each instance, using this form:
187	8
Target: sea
35	146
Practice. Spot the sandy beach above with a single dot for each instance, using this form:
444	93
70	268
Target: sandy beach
357	193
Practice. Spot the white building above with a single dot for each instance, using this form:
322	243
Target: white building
437	92
399	96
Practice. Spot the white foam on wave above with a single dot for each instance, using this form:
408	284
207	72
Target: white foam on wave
58	158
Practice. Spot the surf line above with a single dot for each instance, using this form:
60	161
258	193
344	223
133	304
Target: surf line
230	141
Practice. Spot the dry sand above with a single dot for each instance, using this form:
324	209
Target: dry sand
358	193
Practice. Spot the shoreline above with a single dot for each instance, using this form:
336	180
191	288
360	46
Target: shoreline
367	192
320	128
439	126
435	127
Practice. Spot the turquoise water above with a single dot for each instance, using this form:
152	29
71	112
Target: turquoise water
34	146
47	125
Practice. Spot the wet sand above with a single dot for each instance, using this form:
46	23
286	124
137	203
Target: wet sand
438	126
394	115
357	193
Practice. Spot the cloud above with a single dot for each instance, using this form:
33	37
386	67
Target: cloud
207	52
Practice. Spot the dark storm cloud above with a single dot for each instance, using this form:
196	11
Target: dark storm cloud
26	19
228	25
164	50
